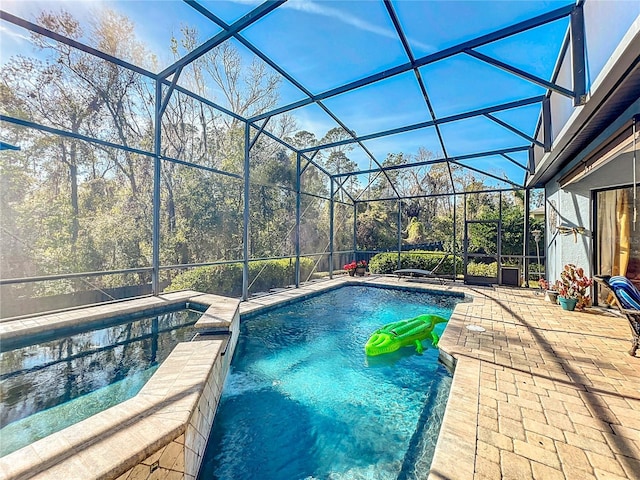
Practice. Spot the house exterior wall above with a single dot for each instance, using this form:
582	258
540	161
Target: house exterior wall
606	24
568	208
571	206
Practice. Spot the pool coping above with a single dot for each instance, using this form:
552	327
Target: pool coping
536	393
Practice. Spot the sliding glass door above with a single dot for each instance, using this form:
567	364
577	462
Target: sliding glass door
616	237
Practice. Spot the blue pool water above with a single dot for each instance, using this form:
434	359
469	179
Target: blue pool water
55	383
302	401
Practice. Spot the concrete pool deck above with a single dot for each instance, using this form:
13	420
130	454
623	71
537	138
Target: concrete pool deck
541	393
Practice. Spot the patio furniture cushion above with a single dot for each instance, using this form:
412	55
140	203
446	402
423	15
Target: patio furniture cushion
628	294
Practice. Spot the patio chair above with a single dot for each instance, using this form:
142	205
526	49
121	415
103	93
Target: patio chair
627	299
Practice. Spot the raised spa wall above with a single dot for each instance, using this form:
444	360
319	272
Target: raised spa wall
162	431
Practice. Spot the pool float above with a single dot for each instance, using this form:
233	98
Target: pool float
403	333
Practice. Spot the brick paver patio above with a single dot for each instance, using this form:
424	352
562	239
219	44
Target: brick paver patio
541	393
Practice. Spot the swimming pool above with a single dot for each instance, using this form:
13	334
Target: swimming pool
302	401
53	384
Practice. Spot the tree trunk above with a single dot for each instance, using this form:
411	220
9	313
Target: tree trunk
73	178
70	158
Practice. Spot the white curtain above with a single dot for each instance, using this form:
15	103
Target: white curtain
614	232
614	229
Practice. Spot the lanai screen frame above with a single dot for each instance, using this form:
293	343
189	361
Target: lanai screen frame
165	87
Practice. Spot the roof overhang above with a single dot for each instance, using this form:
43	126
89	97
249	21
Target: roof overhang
622	142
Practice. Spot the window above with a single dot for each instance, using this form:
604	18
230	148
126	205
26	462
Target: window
618	238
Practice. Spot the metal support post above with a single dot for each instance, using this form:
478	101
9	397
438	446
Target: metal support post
465	240
499	247
155	235
525	244
531	163
331	226
546	121
355	228
399	234
245	217
454	238
298	168
577	55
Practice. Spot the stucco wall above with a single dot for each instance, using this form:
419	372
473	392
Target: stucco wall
570	208
606	23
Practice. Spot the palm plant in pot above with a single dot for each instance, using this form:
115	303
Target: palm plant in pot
573	287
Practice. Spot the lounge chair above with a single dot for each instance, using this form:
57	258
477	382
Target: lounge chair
627	299
417	272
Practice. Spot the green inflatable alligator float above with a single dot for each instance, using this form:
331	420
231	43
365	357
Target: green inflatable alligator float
403	334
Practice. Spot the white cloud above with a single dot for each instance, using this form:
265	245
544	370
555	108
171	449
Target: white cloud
309	6
313	122
14	41
317	8
28	9
16	35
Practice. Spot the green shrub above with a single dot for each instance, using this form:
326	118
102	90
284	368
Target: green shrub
482	269
227	279
387	262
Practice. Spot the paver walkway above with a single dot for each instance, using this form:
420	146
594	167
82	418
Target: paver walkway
541	393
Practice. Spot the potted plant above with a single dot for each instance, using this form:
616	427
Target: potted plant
361	268
572	288
550	294
351	268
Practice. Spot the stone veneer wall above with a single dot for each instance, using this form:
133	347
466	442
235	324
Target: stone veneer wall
166	463
181	458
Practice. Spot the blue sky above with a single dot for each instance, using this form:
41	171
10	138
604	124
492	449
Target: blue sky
324	44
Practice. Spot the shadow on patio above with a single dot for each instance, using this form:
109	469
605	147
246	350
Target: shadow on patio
557	395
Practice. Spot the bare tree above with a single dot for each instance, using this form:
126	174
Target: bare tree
122	95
